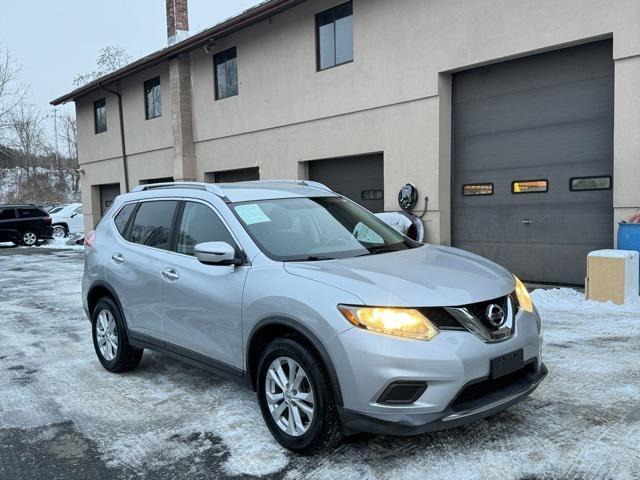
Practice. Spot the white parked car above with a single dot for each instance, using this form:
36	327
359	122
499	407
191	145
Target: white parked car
68	221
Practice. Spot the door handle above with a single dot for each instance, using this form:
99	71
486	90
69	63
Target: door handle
527	222
170	274
117	258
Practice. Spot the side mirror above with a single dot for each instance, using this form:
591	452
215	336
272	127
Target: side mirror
73	215
215	253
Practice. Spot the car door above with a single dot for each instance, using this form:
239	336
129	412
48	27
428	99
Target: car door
137	260
8	229
202	304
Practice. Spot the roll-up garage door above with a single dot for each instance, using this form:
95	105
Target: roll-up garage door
533	161
359	178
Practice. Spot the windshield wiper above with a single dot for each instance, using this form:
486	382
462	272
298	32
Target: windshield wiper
312	258
383	249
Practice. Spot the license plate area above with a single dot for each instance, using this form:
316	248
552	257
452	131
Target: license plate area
506	364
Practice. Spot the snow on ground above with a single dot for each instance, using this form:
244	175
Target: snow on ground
167	419
54	243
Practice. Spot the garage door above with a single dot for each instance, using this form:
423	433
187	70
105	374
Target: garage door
359	178
533	160
233	176
108	194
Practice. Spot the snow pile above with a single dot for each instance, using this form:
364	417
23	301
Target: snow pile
68	243
569	300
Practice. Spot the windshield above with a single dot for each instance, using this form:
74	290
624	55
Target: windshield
323	228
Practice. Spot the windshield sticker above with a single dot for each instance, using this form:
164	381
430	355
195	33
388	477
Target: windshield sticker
252	214
365	234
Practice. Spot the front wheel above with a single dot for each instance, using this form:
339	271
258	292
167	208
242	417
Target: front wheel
59	231
28	238
296	398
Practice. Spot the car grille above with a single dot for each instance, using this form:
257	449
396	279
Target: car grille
449	318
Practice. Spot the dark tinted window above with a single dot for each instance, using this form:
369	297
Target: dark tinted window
7	214
152	224
334	32
226	73
100	115
152	101
31	213
123	217
200	224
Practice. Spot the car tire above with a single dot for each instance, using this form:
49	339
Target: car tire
319	431
28	238
110	339
60	231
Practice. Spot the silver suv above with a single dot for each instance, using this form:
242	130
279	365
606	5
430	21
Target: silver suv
340	323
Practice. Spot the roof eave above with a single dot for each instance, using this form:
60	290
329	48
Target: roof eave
234	24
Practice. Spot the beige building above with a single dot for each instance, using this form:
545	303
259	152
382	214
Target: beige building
519	119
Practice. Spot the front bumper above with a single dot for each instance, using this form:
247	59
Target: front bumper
418	423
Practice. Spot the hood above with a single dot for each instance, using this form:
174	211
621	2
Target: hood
421	277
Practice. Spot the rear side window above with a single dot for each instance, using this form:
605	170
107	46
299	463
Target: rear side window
31	213
123	216
152	224
200	224
7	214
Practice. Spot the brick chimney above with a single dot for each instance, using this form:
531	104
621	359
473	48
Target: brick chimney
177	21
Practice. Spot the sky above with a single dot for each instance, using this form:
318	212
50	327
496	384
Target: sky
53	40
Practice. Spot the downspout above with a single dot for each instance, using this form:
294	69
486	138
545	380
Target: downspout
125	166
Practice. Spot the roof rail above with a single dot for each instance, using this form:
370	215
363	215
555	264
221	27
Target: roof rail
207	187
305	183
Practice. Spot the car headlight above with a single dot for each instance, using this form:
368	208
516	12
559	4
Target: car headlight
524	299
401	322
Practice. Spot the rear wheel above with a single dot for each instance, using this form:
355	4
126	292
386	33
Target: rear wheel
110	338
296	398
59	231
28	238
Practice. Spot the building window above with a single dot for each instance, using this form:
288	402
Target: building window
334	33
152	100
530	186
581	184
225	66
100	115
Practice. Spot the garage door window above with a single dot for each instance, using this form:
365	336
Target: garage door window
581	184
373	195
477	189
530	186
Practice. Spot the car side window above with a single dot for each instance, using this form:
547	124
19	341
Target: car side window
122	218
199	224
7	214
152	224
31	213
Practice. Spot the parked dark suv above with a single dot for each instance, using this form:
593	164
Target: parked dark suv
24	224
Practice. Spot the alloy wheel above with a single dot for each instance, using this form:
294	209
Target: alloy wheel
59	232
289	396
107	335
29	239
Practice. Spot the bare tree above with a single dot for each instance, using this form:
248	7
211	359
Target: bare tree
68	134
109	59
12	91
27	136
